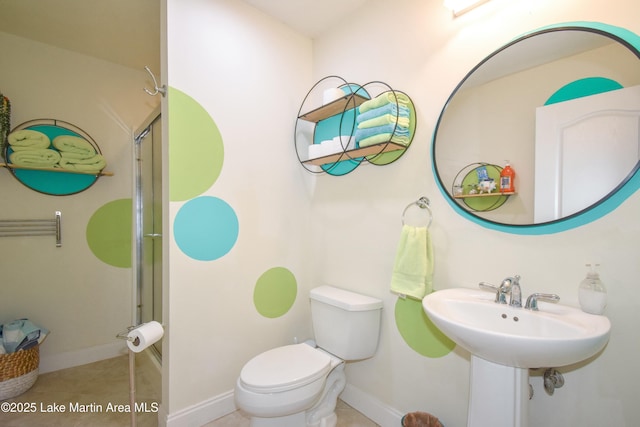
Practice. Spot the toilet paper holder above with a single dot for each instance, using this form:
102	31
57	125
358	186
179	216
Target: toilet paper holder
124	335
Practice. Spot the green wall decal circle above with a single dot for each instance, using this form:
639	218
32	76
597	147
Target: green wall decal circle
109	233
418	331
275	292
196	151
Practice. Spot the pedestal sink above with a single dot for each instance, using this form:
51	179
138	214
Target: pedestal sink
505	342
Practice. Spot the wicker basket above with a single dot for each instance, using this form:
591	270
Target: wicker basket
18	372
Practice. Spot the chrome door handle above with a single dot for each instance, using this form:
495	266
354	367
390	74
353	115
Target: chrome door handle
153	235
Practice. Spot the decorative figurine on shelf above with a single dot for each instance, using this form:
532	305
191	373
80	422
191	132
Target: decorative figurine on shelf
486	186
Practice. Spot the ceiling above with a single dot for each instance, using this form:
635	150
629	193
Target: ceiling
127	32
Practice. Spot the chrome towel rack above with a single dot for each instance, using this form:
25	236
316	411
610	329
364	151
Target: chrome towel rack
422	203
33	227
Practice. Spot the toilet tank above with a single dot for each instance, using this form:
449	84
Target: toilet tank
345	323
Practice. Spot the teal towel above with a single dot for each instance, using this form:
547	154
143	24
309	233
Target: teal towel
396	130
413	269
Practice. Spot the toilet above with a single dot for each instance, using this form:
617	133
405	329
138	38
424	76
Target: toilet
298	385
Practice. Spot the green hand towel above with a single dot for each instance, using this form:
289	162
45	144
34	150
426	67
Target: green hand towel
385	137
42	158
413	269
71	162
386	119
384	99
74	144
26	139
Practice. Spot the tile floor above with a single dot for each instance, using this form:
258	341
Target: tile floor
89	395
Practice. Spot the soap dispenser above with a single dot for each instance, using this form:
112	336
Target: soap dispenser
592	294
507	176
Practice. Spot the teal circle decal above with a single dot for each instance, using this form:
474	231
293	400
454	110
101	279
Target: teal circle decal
275	292
583	87
205	228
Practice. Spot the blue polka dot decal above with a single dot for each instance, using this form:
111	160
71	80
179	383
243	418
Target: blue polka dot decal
206	228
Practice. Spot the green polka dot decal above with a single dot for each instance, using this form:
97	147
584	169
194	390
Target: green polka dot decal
418	331
275	292
109	233
196	151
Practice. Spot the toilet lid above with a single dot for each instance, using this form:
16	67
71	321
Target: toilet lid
285	368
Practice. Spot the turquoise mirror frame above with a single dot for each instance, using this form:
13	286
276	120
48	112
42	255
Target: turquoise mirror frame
592	213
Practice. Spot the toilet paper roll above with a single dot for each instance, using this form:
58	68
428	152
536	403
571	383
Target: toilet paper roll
330	95
144	335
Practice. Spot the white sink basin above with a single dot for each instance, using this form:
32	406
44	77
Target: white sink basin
556	335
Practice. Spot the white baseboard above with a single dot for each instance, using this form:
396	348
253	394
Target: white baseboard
55	362
202	413
372	408
224	404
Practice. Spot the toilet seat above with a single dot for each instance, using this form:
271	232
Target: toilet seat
285	368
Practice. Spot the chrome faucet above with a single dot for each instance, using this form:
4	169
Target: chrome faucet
532	301
511	286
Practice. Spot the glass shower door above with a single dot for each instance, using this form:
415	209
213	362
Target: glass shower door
149	225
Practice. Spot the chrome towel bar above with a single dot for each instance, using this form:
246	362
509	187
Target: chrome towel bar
33	227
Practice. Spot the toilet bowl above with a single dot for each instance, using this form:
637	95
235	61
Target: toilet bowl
298	385
284	380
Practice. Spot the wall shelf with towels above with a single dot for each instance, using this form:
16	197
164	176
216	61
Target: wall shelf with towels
335	120
71	175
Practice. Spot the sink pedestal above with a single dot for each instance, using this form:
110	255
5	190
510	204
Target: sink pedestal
499	395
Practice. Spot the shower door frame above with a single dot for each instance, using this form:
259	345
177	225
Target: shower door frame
143	234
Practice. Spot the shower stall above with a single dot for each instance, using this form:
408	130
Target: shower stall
148	223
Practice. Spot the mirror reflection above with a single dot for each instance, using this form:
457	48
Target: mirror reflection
562	107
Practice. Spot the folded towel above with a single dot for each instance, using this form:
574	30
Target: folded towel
385	137
12	335
413	269
393	109
385	120
21	334
377	130
76	162
74	144
27	139
40	158
383	99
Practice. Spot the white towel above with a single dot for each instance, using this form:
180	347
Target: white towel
413	268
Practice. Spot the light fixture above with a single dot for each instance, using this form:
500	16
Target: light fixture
458	7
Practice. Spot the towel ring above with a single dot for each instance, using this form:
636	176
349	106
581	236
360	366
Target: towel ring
422	203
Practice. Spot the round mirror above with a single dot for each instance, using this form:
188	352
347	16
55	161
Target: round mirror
561	106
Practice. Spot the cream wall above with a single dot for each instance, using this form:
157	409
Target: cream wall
250	74
80	299
427	58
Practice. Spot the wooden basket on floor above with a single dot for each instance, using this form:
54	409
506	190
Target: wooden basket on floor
18	372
